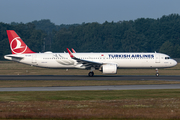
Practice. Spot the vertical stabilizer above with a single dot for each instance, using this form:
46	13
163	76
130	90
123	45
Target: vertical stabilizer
16	43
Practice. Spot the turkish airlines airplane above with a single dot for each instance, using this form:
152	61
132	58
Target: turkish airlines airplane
107	63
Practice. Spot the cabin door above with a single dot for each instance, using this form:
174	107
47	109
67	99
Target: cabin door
157	58
34	59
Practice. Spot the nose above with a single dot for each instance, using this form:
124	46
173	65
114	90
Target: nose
174	63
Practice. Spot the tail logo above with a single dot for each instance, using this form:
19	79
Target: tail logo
17	46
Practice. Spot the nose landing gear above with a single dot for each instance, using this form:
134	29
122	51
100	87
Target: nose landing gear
157	73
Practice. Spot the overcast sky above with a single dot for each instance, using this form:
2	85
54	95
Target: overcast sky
79	11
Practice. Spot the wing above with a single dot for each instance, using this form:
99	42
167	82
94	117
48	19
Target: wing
88	64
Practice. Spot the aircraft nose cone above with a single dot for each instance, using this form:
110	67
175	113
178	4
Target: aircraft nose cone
175	63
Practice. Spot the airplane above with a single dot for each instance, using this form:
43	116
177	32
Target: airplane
107	63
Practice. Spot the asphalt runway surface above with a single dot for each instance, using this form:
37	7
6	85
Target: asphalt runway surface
85	77
98	77
81	88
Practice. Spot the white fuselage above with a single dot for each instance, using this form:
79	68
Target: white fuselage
122	60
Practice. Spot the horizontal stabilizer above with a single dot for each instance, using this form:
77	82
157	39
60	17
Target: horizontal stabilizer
13	57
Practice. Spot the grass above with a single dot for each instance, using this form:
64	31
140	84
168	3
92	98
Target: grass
109	104
125	104
88	95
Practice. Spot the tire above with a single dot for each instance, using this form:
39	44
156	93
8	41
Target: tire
91	74
157	74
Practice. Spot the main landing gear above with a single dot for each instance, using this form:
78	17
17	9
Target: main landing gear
91	73
157	73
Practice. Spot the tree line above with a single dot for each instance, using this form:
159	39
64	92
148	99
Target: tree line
140	35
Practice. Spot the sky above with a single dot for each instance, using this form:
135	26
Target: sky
88	11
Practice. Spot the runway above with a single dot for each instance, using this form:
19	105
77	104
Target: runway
82	88
84	77
98	77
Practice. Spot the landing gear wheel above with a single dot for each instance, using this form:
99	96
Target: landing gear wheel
91	74
157	74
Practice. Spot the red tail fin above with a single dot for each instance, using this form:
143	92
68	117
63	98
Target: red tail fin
16	43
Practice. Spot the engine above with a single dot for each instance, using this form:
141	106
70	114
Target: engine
109	69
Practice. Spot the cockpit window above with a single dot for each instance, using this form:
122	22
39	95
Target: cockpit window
167	57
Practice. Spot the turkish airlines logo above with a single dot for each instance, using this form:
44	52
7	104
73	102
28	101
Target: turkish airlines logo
17	46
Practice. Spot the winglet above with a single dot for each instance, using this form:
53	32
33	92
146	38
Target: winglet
71	55
73	50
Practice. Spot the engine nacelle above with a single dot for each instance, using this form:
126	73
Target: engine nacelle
109	69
